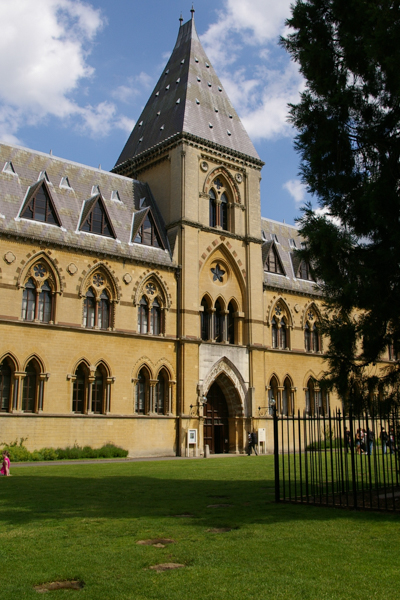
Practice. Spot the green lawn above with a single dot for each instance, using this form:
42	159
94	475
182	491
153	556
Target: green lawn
83	522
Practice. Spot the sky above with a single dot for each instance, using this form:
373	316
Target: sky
76	75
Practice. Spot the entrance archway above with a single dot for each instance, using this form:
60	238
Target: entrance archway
216	423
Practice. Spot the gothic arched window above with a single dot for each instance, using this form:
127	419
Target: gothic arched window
224	212
315	341
79	390
5	387
283	335
213	209
89	309
287	408
273	395
142	392
30	388
103	318
143	316
155	318
204	320
218	323
231	324
98	388
29	301
307	338
274	330
310	397
45	303
161	394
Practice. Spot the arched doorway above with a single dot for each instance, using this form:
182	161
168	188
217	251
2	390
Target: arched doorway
216	424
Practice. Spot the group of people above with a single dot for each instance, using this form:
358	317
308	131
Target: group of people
5	468
365	439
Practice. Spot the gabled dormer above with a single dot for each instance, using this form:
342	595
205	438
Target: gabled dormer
95	218
301	268
39	205
9	168
145	230
271	259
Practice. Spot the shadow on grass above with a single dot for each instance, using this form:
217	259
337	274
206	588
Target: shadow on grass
33	498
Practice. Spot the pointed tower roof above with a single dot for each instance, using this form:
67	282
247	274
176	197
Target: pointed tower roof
188	98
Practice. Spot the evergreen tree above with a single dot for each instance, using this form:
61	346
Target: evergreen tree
348	122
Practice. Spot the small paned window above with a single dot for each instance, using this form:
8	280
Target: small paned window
160	400
41	208
283	335
45	303
307	338
274	329
97	222
104	311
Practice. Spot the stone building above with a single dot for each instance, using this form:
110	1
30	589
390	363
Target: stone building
143	303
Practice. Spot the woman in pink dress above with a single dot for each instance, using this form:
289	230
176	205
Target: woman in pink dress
5	470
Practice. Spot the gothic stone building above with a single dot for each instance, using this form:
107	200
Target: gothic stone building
143	303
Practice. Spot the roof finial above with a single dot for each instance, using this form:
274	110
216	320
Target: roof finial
180	20
192	11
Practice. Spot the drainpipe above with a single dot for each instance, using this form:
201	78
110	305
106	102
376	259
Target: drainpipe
178	273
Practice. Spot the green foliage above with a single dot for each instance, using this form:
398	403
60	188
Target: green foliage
348	139
19	453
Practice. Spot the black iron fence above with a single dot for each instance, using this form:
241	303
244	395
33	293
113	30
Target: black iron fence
338	460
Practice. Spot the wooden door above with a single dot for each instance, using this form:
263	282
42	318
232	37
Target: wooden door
216	424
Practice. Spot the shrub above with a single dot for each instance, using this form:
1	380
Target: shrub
19	453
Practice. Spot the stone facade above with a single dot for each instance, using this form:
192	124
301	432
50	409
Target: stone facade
179	308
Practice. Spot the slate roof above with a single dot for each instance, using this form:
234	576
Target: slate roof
71	202
188	98
290	260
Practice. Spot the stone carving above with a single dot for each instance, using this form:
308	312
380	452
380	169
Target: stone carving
127	278
9	257
239	177
204	166
72	269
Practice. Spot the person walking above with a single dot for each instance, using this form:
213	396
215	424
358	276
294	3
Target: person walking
252	443
384	439
5	469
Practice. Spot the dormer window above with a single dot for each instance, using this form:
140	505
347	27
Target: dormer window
40	206
292	243
96	220
273	263
147	233
95	190
64	183
9	168
43	175
115	196
304	272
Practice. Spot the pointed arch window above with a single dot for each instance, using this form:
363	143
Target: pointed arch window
205	320
104	310
89	309
155	318
161	394
29	301
5	386
304	271
231	323
41	207
274	330
213	209
310	397
219	205
143	316
307	338
142	392
30	388
315	339
273	396
45	303
79	390
98	388
283	335
218	322
287	408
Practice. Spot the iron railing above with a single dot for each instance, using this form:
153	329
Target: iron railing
338	460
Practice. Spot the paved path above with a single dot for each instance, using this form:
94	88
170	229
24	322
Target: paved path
92	461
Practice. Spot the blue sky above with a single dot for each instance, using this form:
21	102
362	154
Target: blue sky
76	75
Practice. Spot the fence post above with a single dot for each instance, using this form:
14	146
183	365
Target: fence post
276	455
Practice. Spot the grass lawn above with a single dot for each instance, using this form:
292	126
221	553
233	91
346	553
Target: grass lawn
83	522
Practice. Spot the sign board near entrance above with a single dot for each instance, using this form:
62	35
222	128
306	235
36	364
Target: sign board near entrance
261	435
192	436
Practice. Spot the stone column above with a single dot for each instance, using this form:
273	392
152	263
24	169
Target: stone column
91	380
152	400
225	313
17	396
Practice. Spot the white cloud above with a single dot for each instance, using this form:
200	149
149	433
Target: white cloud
296	189
134	87
254	26
44	46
